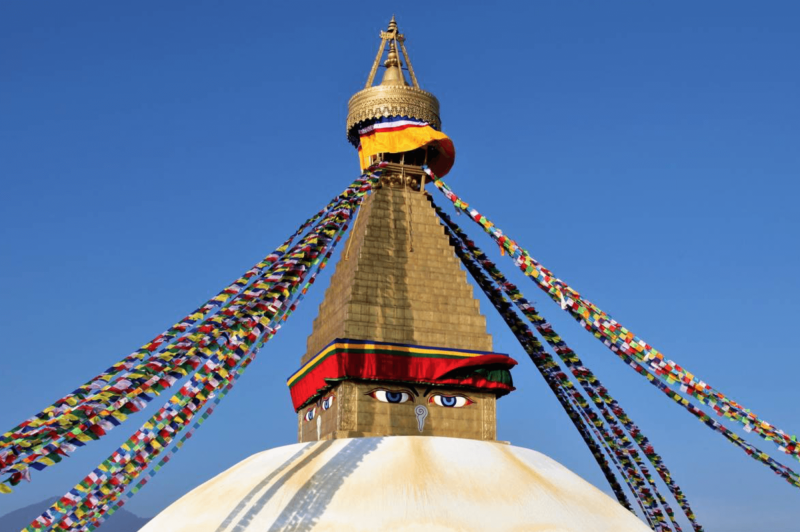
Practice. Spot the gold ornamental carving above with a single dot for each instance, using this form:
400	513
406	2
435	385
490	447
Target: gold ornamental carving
393	100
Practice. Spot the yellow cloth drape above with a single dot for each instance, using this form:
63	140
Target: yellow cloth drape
407	138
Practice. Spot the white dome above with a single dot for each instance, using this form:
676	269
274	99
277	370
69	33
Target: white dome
396	483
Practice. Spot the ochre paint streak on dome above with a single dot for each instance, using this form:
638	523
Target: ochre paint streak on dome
398	281
400	484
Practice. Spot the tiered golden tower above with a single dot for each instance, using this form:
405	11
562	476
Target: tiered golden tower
398	281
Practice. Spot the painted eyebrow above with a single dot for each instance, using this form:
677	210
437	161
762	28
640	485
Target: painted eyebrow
401	389
427	391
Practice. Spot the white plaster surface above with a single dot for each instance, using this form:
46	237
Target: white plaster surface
402	483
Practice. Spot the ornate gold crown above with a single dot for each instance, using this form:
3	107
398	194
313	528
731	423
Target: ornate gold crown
394	96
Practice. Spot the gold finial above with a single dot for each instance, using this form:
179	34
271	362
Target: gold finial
393	96
394	73
391	57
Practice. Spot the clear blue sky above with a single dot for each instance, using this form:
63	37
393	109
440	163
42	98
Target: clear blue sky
648	154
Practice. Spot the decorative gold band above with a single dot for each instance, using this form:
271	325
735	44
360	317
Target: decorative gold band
393	100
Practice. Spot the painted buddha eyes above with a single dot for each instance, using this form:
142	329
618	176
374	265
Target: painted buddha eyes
390	396
403	396
327	402
450	401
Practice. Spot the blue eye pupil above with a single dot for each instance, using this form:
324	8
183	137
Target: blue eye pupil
448	400
394	397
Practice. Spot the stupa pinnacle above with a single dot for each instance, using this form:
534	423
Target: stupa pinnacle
393	97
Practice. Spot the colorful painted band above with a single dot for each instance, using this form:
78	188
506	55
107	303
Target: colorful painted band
364	360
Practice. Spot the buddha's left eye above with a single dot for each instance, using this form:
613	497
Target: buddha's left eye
327	402
310	414
450	401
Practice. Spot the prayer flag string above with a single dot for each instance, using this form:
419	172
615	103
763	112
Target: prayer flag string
555	379
631	348
601	435
589	382
77	509
113	500
70	428
158	343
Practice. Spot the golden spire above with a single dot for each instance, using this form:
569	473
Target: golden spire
393	37
393	96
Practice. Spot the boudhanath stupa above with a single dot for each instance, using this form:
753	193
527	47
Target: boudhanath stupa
397	390
396	394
